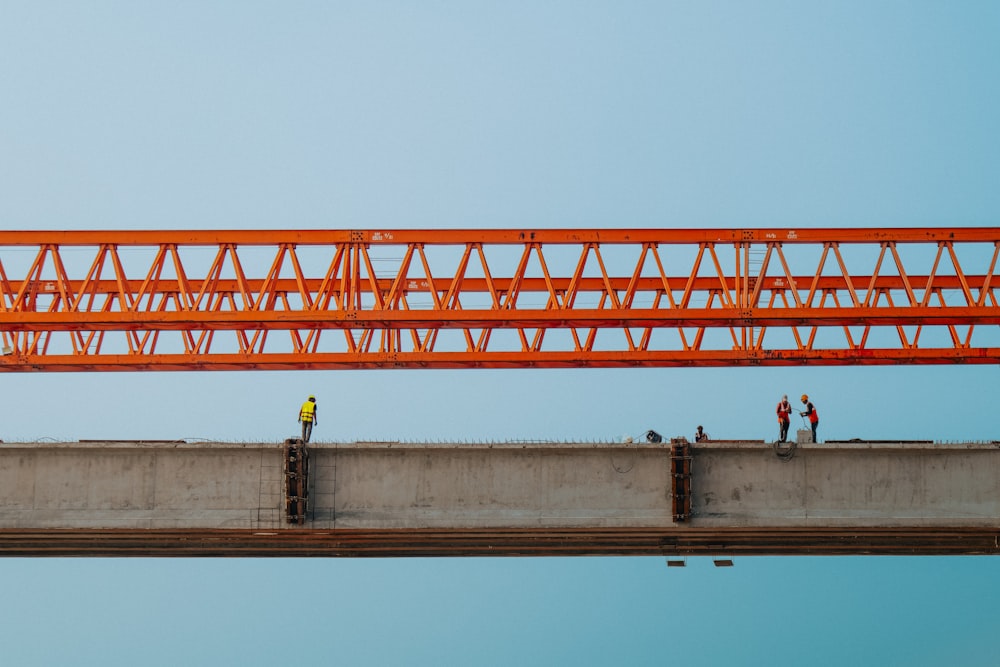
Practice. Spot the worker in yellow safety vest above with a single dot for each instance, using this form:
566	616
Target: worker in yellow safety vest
307	417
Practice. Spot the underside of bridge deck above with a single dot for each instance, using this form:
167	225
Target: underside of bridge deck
495	543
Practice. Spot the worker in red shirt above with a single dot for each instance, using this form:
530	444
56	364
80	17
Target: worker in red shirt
784	417
812	414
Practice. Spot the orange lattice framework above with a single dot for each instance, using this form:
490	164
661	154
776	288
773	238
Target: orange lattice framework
555	298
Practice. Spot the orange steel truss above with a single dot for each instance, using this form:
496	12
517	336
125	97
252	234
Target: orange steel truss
329	299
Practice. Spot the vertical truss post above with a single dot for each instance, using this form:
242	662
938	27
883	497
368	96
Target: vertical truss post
296	480
680	479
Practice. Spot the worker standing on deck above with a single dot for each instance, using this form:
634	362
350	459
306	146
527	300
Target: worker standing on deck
700	435
811	413
308	417
784	417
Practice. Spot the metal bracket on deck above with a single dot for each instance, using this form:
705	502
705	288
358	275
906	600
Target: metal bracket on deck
296	480
680	480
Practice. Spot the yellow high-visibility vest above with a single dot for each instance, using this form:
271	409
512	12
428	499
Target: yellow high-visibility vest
308	411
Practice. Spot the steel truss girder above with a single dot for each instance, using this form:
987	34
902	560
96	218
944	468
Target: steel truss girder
102	300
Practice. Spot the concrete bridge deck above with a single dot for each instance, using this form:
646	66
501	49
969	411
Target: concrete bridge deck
514	498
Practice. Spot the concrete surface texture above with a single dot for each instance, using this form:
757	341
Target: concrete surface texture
394	486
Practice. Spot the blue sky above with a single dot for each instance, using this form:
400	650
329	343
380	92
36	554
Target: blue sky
474	114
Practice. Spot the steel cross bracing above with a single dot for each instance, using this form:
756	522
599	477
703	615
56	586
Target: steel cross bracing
198	300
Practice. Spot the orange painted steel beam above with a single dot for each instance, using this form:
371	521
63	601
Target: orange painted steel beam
499	360
192	300
274	237
501	285
274	320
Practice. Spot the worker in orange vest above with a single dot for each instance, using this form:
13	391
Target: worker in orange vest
784	417
308	417
812	414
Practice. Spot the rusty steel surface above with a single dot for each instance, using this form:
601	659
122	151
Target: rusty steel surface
296	469
680	481
495	543
326	299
